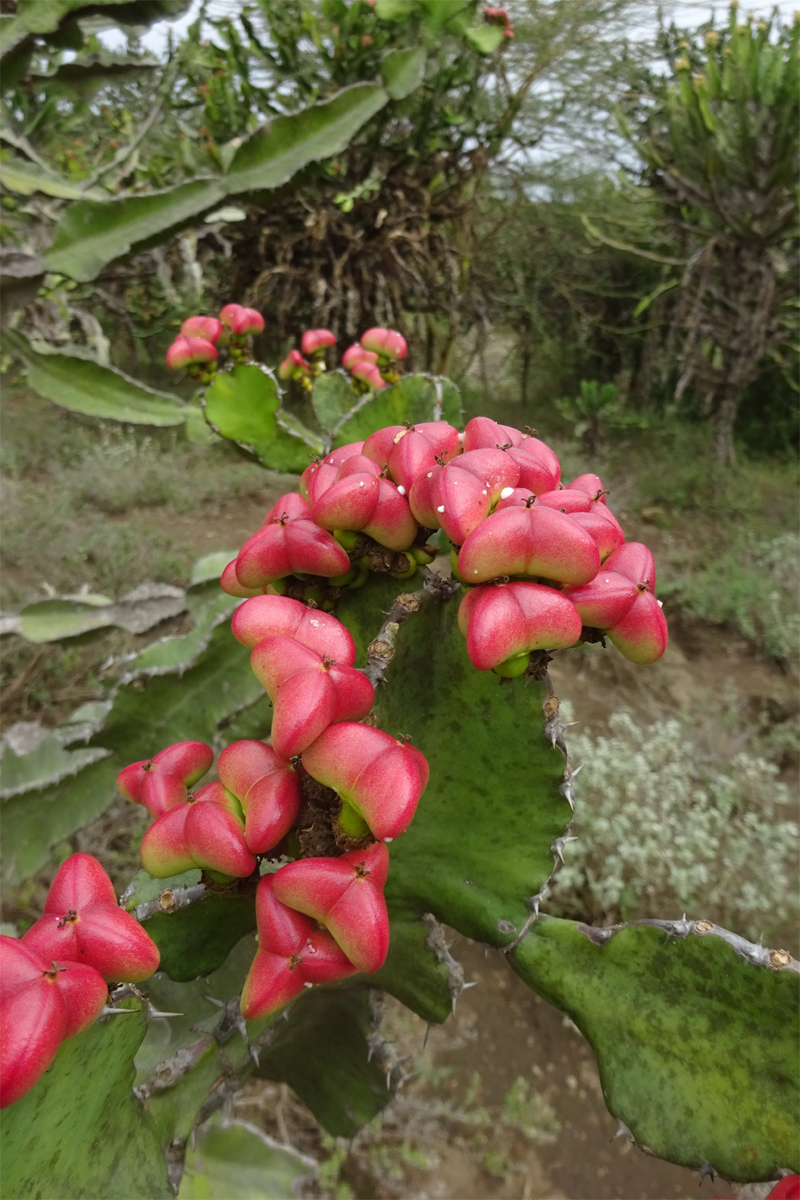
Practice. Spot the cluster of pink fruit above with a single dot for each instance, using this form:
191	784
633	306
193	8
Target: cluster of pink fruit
319	918
372	362
54	980
197	346
498	16
544	563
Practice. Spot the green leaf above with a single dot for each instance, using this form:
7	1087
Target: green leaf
81	78
235	1161
50	620
395	10
49	763
197	939
297	429
198	429
697	1047
80	1131
332	398
278	150
484	38
211	566
403	72
208	610
479	844
84	386
646	301
148	714
323	1053
19	175
413	398
412	973
92	234
242	404
35	822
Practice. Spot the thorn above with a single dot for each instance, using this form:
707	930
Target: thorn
707	1172
213	1000
557	848
153	1013
428	1029
473	983
107	1011
576	771
623	1131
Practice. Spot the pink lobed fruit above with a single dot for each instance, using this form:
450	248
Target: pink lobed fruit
319	476
502	622
267	788
355	354
294	366
641	635
539	468
83	923
229	582
288	507
369	374
603	601
165	849
459	495
189	352
309	692
346	896
533	541
603	527
565	500
280	616
161	782
378	778
41	1004
592	485
636	562
215	833
288	547
386	343
408	451
203	327
241	321
366	503
293	955
314	341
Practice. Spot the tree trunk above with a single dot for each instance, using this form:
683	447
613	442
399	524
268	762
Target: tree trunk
724	452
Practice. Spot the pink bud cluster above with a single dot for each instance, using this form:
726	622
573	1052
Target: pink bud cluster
196	348
319	918
54	980
372	362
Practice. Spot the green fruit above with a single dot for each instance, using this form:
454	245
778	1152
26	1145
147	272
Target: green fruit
351	822
410	570
424	555
346	579
513	667
347	538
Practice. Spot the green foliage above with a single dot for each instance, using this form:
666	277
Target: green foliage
595	412
243	406
51	1148
240	1162
413	398
671	1019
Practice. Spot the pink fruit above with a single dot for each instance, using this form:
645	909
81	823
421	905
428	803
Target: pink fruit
539	469
368	504
279	616
636	562
642	633
165	849
346	896
288	508
83	923
408	451
294	366
320	475
241	321
229	583
286	547
603	527
161	782
203	327
355	354
458	496
533	541
502	622
377	777
605	600
41	1003
314	341
565	500
592	485
293	954
189	352
369	374
267	788
387	343
215	833
309	692
482	433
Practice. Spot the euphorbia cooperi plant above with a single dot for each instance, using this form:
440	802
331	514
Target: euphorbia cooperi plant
303	823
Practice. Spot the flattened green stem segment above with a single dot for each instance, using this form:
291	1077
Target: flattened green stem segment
480	843
696	1045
